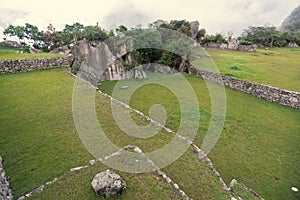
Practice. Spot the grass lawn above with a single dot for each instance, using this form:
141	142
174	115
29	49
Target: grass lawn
281	68
7	54
39	142
259	145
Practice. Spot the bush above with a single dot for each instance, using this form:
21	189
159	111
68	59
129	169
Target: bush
26	49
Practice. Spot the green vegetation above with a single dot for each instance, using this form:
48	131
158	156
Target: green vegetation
7	54
268	36
279	69
36	120
259	145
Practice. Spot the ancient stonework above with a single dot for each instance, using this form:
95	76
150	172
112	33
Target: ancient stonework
5	191
22	65
269	93
233	44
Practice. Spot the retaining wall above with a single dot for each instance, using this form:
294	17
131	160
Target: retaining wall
22	65
5	191
269	93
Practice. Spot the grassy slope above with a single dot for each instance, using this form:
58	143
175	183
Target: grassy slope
280	69
39	142
7	54
259	145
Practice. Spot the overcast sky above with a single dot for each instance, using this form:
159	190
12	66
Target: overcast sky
214	15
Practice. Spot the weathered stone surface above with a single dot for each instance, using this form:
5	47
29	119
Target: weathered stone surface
108	184
194	28
292	45
5	191
96	62
269	93
34	51
22	65
64	50
11	44
233	44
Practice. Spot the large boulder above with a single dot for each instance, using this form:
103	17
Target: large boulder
34	51
108	184
11	44
64	50
194	28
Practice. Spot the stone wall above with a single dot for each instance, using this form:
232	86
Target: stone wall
233	44
22	65
272	94
5	192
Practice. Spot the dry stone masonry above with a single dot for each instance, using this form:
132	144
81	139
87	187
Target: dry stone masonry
5	191
23	65
269	93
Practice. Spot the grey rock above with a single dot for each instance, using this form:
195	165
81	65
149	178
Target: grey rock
5	191
34	51
64	50
10	44
108	184
194	28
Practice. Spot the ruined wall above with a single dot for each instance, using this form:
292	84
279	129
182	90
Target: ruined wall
22	65
269	93
5	191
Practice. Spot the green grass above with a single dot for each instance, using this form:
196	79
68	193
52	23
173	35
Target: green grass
280	68
8	54
259	145
39	142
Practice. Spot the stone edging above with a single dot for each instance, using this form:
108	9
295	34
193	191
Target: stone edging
269	93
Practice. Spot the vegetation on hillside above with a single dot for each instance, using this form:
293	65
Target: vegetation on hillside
292	22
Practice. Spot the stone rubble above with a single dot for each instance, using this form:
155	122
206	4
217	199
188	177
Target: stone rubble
5	191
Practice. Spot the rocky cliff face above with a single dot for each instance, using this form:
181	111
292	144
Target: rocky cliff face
292	22
95	62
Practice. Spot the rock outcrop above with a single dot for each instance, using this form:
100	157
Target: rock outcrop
11	44
95	62
34	51
194	28
108	184
64	50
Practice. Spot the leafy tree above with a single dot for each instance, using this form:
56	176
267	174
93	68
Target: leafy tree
265	35
200	34
93	33
17	31
72	33
121	29
25	34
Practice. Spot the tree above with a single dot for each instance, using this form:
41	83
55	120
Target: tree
121	29
50	37
265	35
17	31
93	33
200	35
72	33
26	34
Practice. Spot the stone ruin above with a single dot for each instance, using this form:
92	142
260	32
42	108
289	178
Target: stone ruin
233	44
